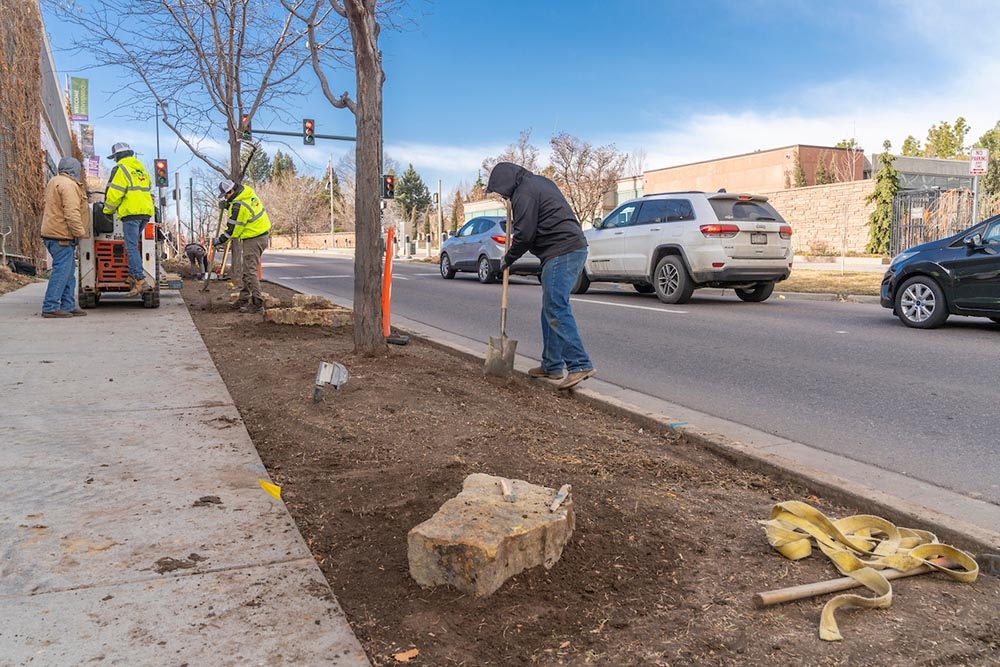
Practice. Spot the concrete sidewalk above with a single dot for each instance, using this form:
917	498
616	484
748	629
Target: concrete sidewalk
134	527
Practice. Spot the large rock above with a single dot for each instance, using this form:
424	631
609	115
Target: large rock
330	317
478	540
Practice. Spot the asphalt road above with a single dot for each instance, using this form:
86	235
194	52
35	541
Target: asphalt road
846	378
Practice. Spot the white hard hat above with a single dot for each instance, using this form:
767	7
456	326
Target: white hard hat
225	185
120	147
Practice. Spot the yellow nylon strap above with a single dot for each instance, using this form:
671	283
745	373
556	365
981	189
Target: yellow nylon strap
859	546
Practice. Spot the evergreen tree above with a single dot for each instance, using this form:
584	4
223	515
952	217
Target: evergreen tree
412	195
457	211
259	168
824	175
478	192
800	174
283	166
886	186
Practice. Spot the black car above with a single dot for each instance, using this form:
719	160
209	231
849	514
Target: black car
958	275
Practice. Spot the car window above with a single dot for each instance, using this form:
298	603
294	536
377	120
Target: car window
653	210
992	234
744	209
468	228
679	209
620	218
487	226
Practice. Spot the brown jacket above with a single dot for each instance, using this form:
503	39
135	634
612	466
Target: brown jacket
66	214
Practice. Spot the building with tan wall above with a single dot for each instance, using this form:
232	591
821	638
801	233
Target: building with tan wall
760	171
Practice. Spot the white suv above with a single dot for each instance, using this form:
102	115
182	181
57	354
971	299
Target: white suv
674	242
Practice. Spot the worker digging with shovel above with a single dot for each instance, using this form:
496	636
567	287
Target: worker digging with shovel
543	223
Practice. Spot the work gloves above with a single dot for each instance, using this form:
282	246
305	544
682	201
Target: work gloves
220	242
223	204
504	264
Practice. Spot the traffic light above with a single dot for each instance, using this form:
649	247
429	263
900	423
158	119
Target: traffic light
245	126
388	186
308	131
162	174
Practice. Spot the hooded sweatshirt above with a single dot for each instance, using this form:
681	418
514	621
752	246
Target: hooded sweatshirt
66	215
542	221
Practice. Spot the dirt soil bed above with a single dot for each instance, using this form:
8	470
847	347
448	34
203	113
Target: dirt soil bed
667	552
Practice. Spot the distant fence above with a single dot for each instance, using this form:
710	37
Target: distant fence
920	216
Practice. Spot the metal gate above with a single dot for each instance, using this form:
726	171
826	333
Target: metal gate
919	216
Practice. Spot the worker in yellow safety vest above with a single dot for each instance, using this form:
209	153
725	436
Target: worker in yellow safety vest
249	226
128	195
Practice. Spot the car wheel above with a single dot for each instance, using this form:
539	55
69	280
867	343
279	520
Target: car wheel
485	271
755	294
447	271
671	281
920	303
643	288
582	283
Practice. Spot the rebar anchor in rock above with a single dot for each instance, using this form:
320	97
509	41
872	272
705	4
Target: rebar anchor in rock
330	372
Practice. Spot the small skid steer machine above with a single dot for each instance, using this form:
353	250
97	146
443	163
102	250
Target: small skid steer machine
104	264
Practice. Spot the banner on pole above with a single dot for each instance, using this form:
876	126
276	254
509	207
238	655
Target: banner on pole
87	140
78	98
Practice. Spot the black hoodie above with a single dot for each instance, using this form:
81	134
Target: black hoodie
543	221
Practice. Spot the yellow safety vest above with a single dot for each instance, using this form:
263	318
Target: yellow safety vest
128	190
247	215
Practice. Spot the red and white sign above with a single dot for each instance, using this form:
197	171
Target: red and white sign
979	161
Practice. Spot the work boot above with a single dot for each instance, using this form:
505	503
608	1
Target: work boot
78	312
240	304
255	306
56	313
576	377
539	372
138	285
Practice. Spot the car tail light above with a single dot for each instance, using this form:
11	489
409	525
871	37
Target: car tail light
499	239
785	232
719	231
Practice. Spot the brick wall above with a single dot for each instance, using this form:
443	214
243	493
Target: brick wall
821	216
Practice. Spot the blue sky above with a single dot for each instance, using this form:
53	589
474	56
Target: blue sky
678	81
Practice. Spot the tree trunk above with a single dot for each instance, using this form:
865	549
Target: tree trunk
368	337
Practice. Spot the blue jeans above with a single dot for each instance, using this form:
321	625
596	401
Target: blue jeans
561	344
133	228
61	291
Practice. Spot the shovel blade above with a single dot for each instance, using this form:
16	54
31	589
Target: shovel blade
500	356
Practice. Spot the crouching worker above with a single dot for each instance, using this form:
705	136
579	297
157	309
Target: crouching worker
198	257
248	224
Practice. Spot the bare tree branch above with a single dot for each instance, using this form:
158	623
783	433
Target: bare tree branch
584	173
204	64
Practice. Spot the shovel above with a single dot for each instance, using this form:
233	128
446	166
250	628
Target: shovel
211	254
500	351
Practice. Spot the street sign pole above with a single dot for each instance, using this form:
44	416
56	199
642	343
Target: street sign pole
979	164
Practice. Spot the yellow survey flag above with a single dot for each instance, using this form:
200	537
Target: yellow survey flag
273	489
